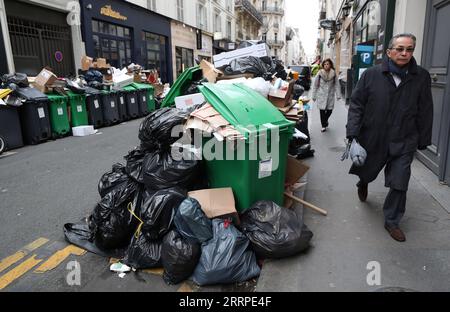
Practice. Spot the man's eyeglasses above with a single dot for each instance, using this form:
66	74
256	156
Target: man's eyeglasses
400	50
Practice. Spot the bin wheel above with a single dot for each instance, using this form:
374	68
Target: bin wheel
2	145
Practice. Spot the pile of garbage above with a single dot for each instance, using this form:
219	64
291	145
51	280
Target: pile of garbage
155	212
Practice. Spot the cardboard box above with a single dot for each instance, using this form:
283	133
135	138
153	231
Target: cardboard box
101	63
282	97
215	202
45	78
258	50
209	71
121	81
86	63
295	170
186	101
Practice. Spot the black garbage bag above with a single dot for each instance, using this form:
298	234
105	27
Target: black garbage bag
179	258
111	179
274	231
111	222
161	171
93	75
80	235
192	223
155	132
305	151
247	64
18	79
157	211
135	159
226	258
75	87
143	253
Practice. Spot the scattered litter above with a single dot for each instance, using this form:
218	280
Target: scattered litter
119	268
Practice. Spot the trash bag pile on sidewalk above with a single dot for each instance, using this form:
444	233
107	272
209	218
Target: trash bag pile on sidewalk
158	210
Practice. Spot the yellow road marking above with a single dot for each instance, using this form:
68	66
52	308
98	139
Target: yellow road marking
8	261
185	288
18	271
157	271
58	257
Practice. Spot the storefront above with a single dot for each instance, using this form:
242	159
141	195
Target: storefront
188	44
40	36
124	33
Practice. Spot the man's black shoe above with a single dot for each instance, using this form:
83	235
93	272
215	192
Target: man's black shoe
362	192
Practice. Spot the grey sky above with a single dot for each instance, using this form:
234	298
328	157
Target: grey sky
304	14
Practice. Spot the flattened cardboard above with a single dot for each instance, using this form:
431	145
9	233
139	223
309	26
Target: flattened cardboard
45	78
210	72
295	169
215	202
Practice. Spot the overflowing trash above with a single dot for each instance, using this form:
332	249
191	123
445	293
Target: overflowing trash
187	215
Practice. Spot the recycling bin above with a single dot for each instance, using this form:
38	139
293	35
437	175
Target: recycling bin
10	130
94	108
255	167
182	84
146	97
110	108
131	100
121	102
77	108
59	117
34	116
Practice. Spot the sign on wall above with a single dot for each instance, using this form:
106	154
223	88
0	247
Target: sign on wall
108	11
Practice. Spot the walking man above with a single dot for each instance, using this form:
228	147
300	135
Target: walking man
391	116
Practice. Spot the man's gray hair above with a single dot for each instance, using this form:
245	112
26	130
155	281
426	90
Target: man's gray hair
407	35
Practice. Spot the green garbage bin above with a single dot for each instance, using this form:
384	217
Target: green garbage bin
146	97
182	84
59	119
78	112
254	172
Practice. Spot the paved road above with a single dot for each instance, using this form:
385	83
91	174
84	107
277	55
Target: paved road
43	187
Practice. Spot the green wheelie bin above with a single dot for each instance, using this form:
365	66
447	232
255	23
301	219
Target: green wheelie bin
146	98
254	167
59	118
77	108
182	84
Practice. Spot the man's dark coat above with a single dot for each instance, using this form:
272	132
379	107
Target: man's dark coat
387	120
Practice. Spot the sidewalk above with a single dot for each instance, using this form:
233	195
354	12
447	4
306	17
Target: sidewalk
352	234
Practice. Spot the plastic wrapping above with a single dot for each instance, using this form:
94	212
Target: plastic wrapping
111	179
274	231
161	171
226	258
155	131
111	222
135	159
18	79
143	253
179	257
157	211
192	223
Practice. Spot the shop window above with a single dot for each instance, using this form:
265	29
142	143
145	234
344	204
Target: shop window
184	59
154	47
112	42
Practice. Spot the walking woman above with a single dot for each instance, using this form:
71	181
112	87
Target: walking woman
325	88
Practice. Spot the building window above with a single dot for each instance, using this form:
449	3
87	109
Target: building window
153	53
112	42
217	22
264	5
184	59
180	9
202	21
229	29
276	37
264	37
151	5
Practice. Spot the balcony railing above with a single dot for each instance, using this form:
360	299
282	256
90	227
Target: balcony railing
272	10
250	9
275	43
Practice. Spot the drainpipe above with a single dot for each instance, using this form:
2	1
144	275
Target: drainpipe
6	38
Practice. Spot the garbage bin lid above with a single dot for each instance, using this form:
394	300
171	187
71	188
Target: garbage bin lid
242	106
31	94
181	83
141	86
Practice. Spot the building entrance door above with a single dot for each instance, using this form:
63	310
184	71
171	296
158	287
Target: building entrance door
436	59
